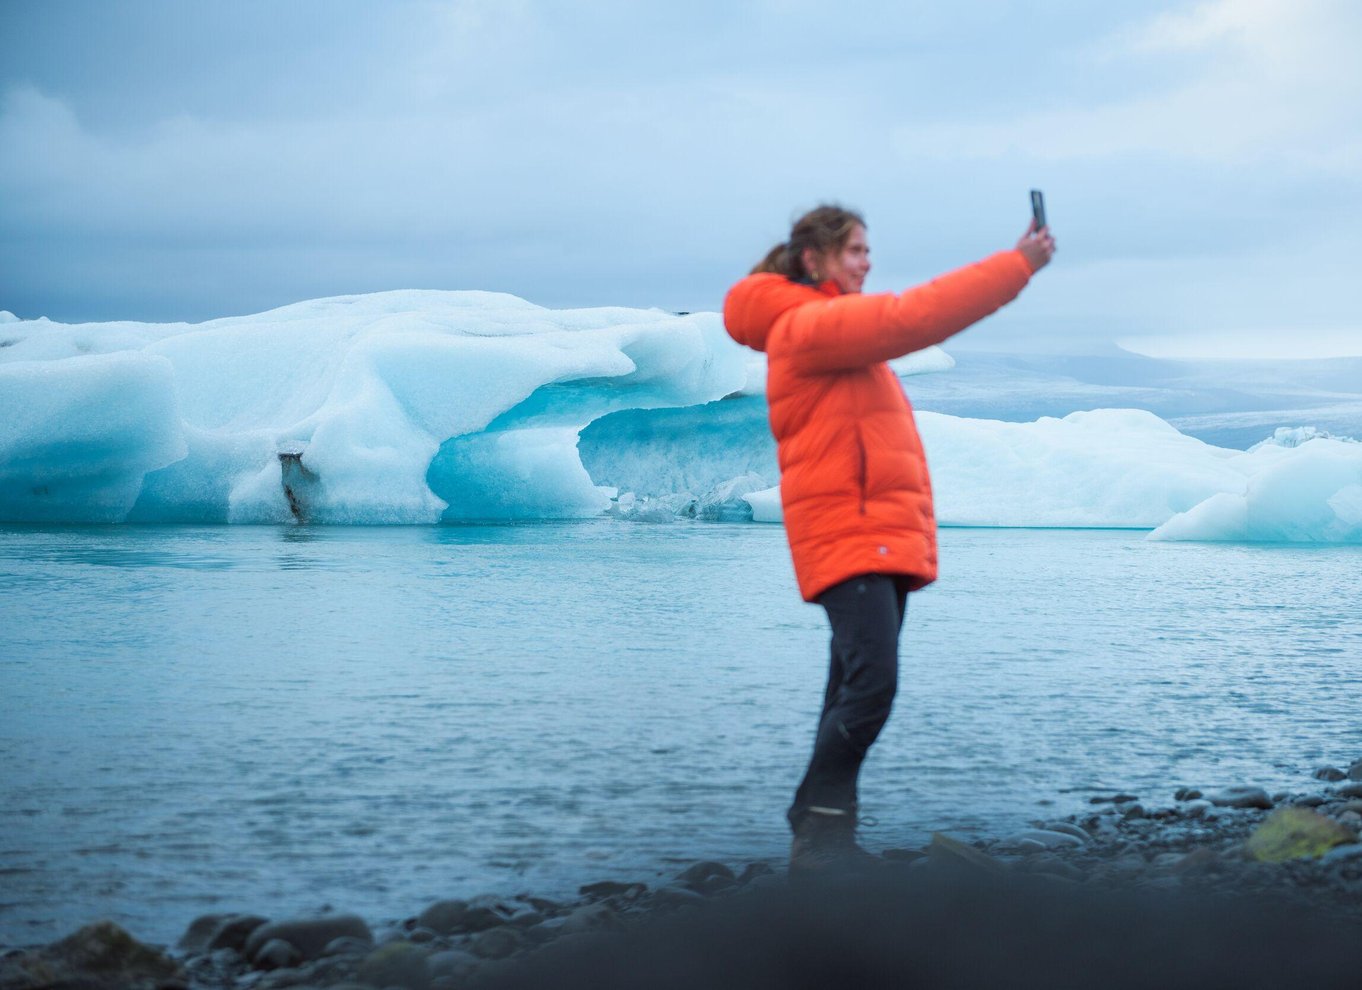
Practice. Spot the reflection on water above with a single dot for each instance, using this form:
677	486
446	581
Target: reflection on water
274	718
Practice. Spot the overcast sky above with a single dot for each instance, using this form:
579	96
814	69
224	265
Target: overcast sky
1202	161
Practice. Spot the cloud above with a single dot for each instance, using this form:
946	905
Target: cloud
1256	80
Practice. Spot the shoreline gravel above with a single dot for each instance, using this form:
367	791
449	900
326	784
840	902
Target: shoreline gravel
1293	857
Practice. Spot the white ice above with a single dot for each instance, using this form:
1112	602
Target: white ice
420	407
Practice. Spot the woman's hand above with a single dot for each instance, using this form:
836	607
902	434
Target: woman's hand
1037	247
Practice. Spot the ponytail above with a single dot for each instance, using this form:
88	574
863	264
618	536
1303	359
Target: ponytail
824	229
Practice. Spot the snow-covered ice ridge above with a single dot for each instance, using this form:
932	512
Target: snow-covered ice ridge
418	407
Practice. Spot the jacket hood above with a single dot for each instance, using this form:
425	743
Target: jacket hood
754	304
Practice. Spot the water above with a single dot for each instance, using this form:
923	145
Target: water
277	719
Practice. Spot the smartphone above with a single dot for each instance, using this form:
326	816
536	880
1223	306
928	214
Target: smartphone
1038	208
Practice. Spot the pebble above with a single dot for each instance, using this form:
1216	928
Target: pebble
611	888
1351	789
276	953
1044	838
310	936
1069	828
396	964
1355	771
1330	774
1241	797
496	943
1197	809
454	963
455	917
1339	854
701	873
1186	794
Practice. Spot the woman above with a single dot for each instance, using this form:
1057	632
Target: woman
854	485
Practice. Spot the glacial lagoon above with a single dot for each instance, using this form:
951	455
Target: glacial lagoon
280	718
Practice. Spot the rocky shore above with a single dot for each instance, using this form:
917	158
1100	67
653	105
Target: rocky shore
1200	887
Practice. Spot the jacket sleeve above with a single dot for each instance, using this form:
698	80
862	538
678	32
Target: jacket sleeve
853	331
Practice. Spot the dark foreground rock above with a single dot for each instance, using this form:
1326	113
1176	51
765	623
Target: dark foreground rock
101	956
1239	888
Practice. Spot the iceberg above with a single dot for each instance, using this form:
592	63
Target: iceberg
420	407
397	407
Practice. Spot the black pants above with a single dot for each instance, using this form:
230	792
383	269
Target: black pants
866	614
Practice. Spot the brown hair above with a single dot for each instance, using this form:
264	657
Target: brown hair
824	229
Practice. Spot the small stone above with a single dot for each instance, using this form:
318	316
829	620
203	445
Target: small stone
611	888
1330	774
1197	809
1069	828
1045	838
1048	864
275	953
1242	797
1186	794
1351	819
200	930
396	964
591	917
310	936
1351	789
672	896
1339	854
1355	771
346	945
1308	801
1198	861
949	850
420	936
752	871
1133	811
454	917
1113	799
701	872
453	963
496	943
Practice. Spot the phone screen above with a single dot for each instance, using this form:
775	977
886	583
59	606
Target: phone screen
1038	207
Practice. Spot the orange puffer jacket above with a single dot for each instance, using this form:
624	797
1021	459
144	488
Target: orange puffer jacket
854	484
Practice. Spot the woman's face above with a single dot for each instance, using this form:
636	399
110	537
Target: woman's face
849	264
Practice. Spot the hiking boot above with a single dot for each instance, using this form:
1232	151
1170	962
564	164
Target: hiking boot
825	844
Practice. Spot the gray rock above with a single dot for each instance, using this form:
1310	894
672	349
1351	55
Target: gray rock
454	917
1330	774
1355	771
1133	811
1197	809
1241	797
420	936
1069	828
346	945
1045	838
1049	864
591	917
1187	794
310	936
200	930
754	870
451	963
672	896
611	888
101	956
275	953
700	873
1351	789
399	964
1308	801
496	943
1339	854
